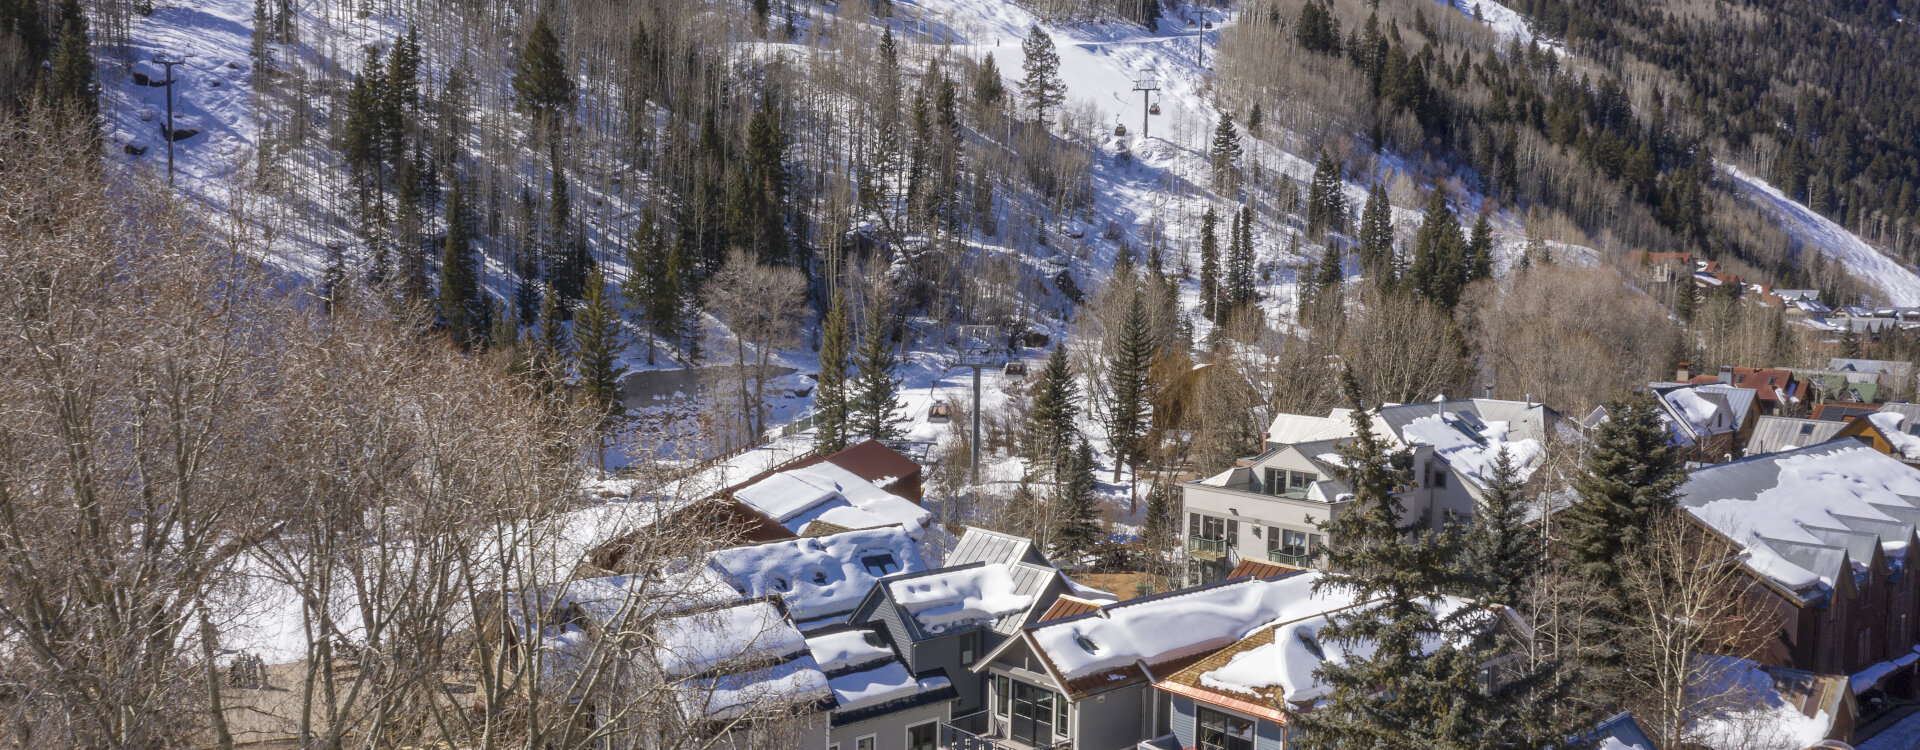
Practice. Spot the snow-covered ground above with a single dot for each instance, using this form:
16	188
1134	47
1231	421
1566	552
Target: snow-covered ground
1902	736
1898	282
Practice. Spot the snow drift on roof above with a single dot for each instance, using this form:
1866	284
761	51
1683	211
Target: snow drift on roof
1471	451
1294	657
847	648
960	597
827	492
1838	486
873	687
1167	627
820	576
704	641
1890	424
781	685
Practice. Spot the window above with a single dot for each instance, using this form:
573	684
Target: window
1806	429
1276	481
1002	695
879	565
967	647
1219	731
864	743
1299	481
1210	527
1289	546
1440	480
1062	723
923	736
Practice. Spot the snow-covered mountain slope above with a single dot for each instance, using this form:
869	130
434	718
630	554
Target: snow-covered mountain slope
1897	282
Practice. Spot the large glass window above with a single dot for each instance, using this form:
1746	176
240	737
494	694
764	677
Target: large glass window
1033	714
1002	695
1219	731
924	736
1299	481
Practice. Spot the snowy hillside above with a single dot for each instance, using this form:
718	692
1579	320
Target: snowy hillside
1897	282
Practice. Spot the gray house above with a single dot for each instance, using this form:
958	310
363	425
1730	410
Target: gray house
1269	507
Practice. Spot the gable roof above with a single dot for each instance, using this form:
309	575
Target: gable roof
1068	606
824	491
998	596
983	545
871	460
1300	428
820	578
1805	516
1773	434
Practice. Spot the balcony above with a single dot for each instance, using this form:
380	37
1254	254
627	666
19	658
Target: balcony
1301	560
955	738
1168	742
1208	549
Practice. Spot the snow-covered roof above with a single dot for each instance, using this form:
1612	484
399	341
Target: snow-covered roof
826	492
846	649
1893	426
755	631
1739	704
1300	428
1170	626
960	597
1472	447
820	577
888	682
1800	513
1772	434
777	686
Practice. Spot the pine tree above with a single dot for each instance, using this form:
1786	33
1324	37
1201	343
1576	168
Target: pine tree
832	401
1685	296
1326	197
1209	265
72	86
1502	548
1076	516
1051	429
333	281
653	290
568	261
1392	690
1630	477
1128	371
1240	277
988	89
1317	29
541	86
1042	85
549	350
1225	153
764	220
1254	118
598	340
874	404
1439	265
459	285
1480	251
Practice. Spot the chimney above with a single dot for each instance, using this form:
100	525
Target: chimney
1726	374
1489	392
1684	374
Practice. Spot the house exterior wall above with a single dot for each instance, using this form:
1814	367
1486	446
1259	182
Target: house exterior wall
1268	734
890	730
1114	719
1254	516
944	653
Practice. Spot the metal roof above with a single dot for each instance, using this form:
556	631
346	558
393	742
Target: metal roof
1774	434
981	545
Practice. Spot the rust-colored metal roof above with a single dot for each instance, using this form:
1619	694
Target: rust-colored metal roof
870	460
1068	606
1256	568
1187	681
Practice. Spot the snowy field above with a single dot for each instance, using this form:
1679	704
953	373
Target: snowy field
1898	282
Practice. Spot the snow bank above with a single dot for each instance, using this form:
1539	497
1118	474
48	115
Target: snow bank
1750	711
820	576
961	597
1866	679
1698	412
1293	660
701	642
847	648
1155	630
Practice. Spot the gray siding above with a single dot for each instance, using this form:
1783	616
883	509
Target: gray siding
1113	719
890	730
1183	723
1269	736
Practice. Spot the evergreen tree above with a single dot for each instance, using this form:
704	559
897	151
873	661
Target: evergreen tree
1051	429
568	260
333	281
1042	85
1240	277
1128	371
598	340
1225	153
1502	548
1630	477
541	86
1480	251
1076	516
653	289
832	400
1439	262
1327	277
1685	296
1317	29
1254	118
874	404
72	87
1393	690
459	286
1377	233
988	89
1209	265
549	350
1326	197
761	216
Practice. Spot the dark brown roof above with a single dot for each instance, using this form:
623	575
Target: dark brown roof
1068	606
1836	412
1257	568
870	460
